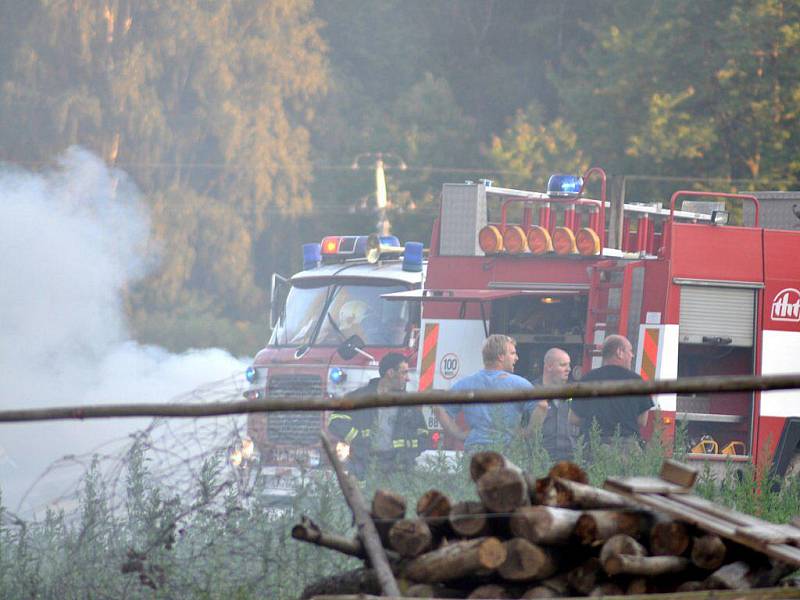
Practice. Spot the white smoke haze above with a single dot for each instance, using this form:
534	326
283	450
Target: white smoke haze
71	240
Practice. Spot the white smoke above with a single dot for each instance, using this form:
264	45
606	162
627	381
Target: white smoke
71	240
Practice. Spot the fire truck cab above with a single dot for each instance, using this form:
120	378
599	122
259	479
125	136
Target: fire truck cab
330	328
694	293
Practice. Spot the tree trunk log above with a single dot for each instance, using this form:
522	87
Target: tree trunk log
620	544
733	576
428	590
366	528
490	591
526	561
708	552
554	587
410	537
468	519
571	494
488	460
636	586
647	566
468	557
669	538
503	490
606	589
568	471
387	508
584	578
544	524
357	581
594	527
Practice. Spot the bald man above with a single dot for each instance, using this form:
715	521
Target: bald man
559	432
628	413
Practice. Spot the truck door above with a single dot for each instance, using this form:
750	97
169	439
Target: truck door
717	327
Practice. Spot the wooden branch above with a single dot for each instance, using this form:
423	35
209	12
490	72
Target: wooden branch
503	490
430	590
366	528
526	561
457	560
544	524
685	385
468	519
308	531
648	566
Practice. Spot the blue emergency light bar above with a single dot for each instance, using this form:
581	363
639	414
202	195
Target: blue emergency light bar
564	186
312	254
412	257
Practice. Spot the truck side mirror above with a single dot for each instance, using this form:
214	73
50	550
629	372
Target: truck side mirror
350	347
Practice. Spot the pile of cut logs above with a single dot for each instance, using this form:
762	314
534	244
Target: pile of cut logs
551	537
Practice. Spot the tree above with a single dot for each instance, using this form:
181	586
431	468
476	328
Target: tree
206	104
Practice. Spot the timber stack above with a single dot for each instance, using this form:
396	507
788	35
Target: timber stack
558	537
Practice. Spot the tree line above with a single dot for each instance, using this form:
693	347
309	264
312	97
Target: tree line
240	119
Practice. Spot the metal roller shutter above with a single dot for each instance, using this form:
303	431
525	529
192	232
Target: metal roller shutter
717	312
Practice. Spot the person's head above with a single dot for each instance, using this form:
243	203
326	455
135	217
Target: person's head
393	370
556	368
499	352
617	350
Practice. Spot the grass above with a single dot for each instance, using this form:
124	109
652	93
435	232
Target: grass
224	540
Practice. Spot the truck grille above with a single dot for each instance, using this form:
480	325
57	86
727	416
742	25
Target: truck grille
294	428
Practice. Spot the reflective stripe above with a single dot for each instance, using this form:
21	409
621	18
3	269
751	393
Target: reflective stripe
335	416
405	443
351	435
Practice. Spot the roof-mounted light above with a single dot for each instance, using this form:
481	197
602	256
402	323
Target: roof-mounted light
514	240
587	241
720	217
412	257
564	186
490	239
539	240
378	245
311	256
330	245
564	241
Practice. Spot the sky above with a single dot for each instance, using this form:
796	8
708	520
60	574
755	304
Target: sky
71	239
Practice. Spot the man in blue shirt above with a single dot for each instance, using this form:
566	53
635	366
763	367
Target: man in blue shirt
492	424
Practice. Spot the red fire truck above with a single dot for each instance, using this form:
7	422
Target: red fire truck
695	294
330	328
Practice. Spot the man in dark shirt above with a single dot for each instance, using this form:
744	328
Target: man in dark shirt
629	413
558	430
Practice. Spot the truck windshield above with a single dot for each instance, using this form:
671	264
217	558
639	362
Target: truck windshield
349	309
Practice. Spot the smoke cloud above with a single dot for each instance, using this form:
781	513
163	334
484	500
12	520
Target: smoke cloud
71	240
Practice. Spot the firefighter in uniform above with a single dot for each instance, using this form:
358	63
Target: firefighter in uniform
392	436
